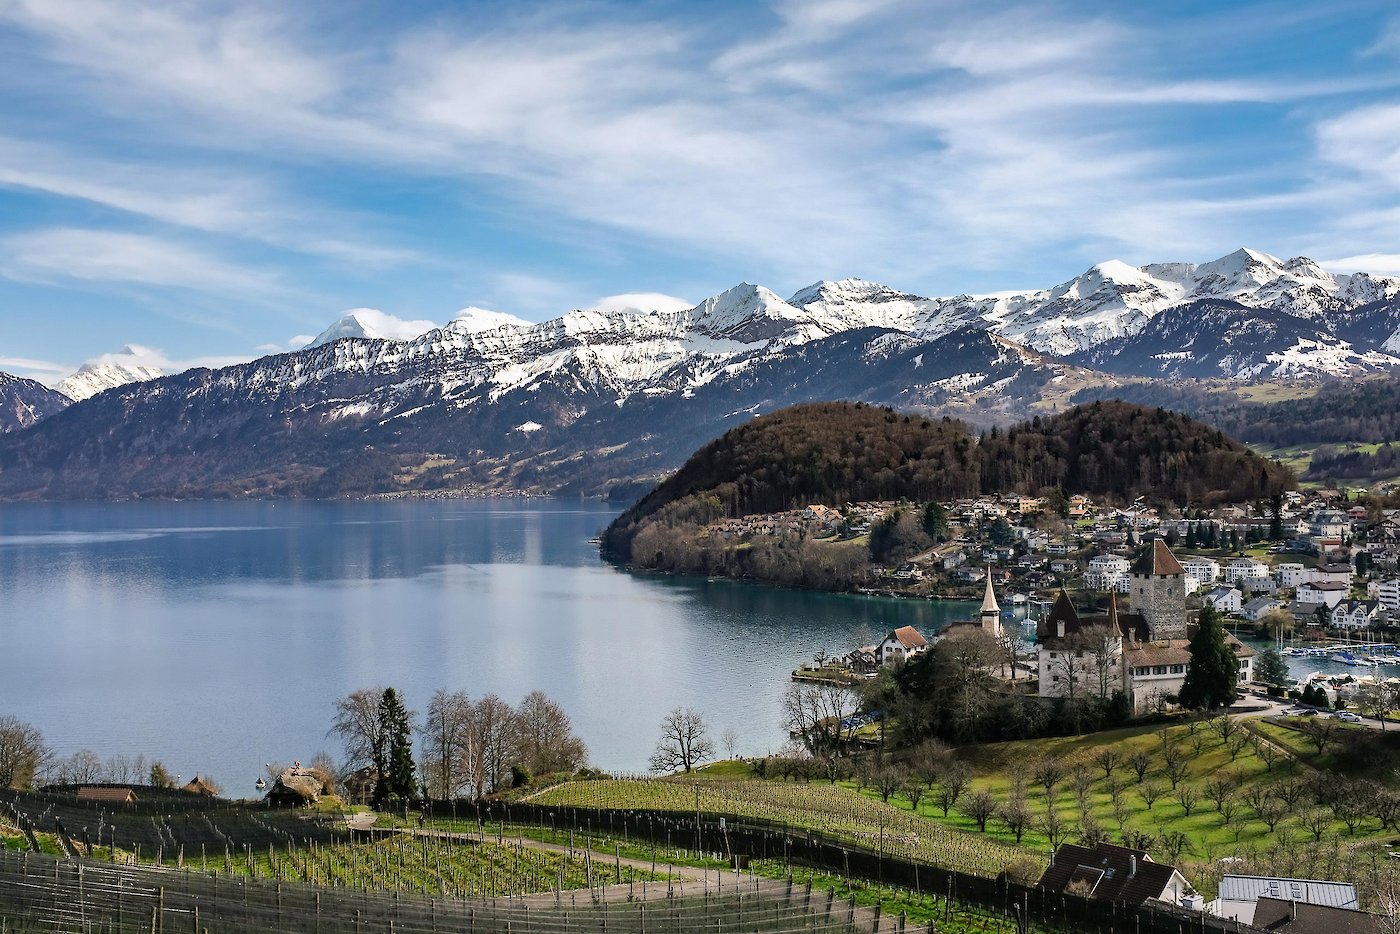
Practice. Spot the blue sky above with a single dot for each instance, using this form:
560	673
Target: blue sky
213	180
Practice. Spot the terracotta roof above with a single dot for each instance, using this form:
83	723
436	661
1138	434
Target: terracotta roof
1157	560
909	637
1277	914
1114	873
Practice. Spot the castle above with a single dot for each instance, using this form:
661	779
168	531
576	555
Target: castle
1144	653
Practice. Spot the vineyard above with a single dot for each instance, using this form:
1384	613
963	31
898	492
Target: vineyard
836	811
443	866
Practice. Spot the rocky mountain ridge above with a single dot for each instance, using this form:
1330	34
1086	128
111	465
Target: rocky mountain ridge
599	399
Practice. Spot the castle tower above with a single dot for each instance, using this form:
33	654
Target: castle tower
1159	592
991	612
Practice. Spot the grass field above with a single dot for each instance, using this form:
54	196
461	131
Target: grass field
1185	824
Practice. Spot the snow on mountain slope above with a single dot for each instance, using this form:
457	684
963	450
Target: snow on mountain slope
92	378
371	323
24	402
471	320
1213	338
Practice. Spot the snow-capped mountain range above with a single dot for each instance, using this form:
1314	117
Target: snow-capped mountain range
623	390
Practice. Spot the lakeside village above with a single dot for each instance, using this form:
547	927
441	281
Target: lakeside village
1315	573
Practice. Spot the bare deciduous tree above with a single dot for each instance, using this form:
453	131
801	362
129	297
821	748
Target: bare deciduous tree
1108	759
980	806
684	742
1150	792
358	726
952	782
1048	772
1016	816
729	739
815	714
22	753
547	740
447	743
495	740
1140	761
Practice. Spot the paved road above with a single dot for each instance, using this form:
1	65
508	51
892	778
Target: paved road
1255	706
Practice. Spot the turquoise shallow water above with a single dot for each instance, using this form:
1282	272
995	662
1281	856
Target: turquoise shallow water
215	636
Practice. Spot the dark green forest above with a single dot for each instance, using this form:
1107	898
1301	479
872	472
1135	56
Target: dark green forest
836	453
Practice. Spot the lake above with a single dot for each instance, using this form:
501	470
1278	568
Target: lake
216	636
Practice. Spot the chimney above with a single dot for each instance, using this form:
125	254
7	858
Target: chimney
1132	866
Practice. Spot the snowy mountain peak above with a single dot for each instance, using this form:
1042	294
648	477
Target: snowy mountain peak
746	313
108	372
374	324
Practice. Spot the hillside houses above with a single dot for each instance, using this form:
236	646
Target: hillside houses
1038	544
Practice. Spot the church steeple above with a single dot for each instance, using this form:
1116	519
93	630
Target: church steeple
991	612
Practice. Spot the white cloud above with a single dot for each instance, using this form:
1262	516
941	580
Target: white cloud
1387	264
44	371
383	324
642	301
1364	140
109	256
897	138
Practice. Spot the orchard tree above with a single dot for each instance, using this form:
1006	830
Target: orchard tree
1213	672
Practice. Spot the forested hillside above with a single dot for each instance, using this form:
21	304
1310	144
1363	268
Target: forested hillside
835	453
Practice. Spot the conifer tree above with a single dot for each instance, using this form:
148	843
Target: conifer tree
1271	668
1213	672
399	778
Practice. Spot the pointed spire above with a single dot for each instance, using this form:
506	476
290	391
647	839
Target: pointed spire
989	602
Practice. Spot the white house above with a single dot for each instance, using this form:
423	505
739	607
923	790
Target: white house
1224	599
1323	592
900	645
1107	572
1340	573
1202	570
1355	614
1245	569
1388	593
1291	574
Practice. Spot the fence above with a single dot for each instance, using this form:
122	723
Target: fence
742	838
43	893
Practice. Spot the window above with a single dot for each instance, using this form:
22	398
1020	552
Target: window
1159	669
1178	669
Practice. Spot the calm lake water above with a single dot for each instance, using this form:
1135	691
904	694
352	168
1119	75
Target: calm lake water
216	636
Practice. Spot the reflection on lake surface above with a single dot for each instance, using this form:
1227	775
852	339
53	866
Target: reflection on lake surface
215	636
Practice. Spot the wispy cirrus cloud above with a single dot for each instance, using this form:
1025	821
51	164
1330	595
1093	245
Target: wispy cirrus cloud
58	254
930	144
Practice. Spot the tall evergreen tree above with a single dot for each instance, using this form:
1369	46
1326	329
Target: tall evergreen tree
399	778
1272	669
1276	516
1214	671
